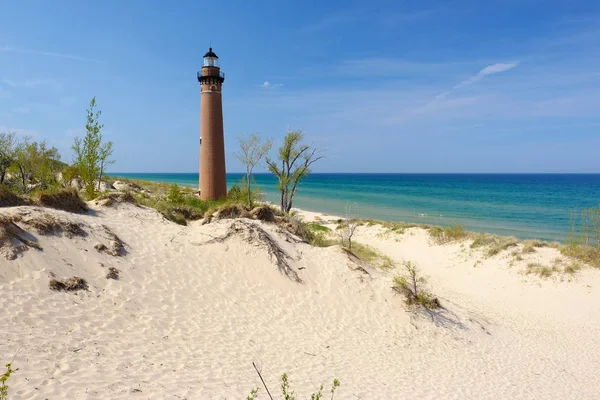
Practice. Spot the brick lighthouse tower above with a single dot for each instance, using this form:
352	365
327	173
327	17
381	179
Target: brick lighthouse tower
212	143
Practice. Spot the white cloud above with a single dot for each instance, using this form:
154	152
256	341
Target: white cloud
489	70
269	85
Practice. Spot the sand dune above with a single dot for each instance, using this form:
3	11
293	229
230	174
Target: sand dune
190	314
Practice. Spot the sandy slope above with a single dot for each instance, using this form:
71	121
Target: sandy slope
188	318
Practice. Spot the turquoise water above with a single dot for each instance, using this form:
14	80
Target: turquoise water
523	205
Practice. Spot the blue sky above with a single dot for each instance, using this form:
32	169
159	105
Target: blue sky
383	86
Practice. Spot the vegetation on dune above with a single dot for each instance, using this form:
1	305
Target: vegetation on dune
493	244
92	156
448	234
295	159
410	285
252	150
583	240
66	199
286	391
371	256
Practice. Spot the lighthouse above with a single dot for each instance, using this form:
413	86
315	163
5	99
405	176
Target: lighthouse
212	143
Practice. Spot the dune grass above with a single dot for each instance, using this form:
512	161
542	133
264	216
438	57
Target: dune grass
411	286
67	199
448	234
371	256
493	244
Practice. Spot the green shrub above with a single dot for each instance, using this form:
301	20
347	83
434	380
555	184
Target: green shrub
410	286
3	380
175	196
288	394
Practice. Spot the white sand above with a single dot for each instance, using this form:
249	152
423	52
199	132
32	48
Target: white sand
187	319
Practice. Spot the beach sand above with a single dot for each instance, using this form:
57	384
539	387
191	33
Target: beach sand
190	314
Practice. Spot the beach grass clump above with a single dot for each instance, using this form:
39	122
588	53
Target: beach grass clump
494	244
586	254
411	286
371	256
572	269
448	234
543	271
316	227
66	199
68	285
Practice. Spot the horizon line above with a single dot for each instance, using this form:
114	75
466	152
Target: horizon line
383	173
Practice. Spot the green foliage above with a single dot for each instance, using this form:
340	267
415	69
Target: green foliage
252	151
583	241
3	380
9	146
288	394
369	255
175	196
316	227
69	173
295	159
91	155
35	163
285	388
448	234
239	193
410	286
253	394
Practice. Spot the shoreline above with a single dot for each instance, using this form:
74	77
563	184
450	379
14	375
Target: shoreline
492	224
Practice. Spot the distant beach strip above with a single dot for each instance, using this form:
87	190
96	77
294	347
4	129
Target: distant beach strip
528	206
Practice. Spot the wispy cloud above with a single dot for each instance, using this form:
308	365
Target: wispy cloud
269	85
489	70
50	54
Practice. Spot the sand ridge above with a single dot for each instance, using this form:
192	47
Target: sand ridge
189	315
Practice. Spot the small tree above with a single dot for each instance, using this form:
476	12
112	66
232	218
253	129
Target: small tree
296	160
91	156
252	151
106	151
348	226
